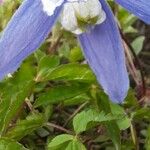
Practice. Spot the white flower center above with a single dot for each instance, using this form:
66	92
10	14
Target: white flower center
77	15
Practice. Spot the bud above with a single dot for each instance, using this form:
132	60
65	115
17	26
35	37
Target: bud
77	16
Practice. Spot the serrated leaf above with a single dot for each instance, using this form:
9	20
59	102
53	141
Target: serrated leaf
8	144
75	145
25	127
114	133
82	119
46	64
73	72
65	142
13	94
60	139
123	123
79	99
111	126
61	93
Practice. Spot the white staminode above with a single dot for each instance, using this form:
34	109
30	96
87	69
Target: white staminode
49	6
83	11
77	15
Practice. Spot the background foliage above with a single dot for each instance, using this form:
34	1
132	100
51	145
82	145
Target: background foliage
54	102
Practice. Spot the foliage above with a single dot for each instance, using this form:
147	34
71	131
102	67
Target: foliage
54	102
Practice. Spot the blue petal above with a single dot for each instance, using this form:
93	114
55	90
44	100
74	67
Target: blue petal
24	33
102	47
141	8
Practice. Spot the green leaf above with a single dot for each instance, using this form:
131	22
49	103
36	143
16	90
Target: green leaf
75	145
111	126
48	111
126	21
141	113
131	99
13	93
38	54
138	44
147	142
123	123
79	99
59	140
25	127
8	144
114	133
61	93
65	142
82	119
74	72
46	64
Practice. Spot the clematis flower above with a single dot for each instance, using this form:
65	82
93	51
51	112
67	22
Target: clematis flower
93	23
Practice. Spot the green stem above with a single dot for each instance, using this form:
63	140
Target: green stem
134	137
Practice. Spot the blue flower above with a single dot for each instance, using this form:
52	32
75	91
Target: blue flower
102	45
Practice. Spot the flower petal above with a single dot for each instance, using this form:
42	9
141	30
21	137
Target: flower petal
25	32
102	47
141	8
